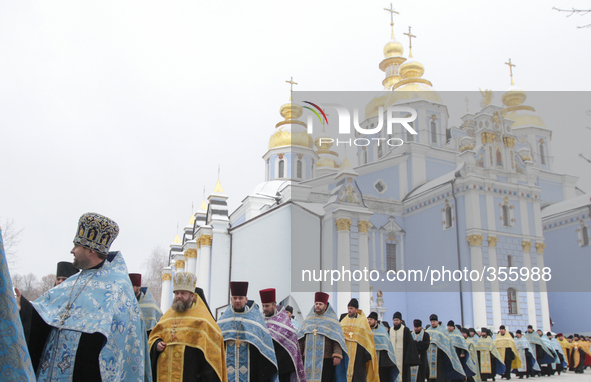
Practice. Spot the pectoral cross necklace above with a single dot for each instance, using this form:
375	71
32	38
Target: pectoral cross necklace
238	341
173	331
351	322
66	313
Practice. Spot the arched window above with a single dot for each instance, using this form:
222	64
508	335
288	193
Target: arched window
512	300
585	235
380	149
509	261
299	169
448	217
365	156
312	170
409	136
433	132
506	219
281	169
542	154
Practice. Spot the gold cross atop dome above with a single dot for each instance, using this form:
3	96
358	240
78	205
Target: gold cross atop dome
392	11
511	66
291	83
410	37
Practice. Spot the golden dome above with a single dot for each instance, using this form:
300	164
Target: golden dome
372	108
292	132
327	162
514	97
393	48
291	111
411	69
523	118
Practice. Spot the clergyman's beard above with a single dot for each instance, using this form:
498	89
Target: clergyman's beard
181	306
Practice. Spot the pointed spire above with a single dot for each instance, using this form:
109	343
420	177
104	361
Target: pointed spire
203	206
218	188
191	220
177	240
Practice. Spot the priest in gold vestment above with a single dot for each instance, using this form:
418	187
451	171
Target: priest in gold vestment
363	364
187	344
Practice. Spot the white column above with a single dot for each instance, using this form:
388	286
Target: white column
496	293
343	262
191	255
364	293
166	298
543	289
205	263
478	294
382	253
529	285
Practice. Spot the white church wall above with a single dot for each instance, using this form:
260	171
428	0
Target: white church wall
260	252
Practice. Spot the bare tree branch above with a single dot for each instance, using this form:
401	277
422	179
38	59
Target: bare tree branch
584	157
11	238
580	12
153	277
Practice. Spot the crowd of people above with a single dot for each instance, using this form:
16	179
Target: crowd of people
99	324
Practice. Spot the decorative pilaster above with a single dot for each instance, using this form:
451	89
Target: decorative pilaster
543	289
166	297
343	261
364	289
540	248
179	266
203	277
191	258
478	295
526	245
529	284
492	241
344	224
474	240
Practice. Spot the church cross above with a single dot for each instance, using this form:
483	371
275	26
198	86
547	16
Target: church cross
291	83
64	316
315	330
511	66
410	37
350	334
392	11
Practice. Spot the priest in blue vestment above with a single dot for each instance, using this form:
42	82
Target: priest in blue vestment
89	327
250	354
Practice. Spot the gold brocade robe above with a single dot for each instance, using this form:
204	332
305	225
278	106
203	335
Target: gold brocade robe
575	346
357	331
565	345
503	342
194	328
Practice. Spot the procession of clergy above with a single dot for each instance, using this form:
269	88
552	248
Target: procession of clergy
101	325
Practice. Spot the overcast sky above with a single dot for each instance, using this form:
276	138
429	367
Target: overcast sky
128	108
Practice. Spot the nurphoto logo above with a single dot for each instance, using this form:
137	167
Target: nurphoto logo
394	115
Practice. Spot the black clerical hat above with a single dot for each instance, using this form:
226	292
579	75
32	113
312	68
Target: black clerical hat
502	327
451	323
373	315
354	303
530	327
418	323
289	309
518	331
397	315
433	317
65	269
472	330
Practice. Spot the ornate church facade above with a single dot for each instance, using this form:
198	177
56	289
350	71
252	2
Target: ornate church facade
469	196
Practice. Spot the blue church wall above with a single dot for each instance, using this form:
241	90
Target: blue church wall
437	168
388	175
509	246
551	192
561	253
